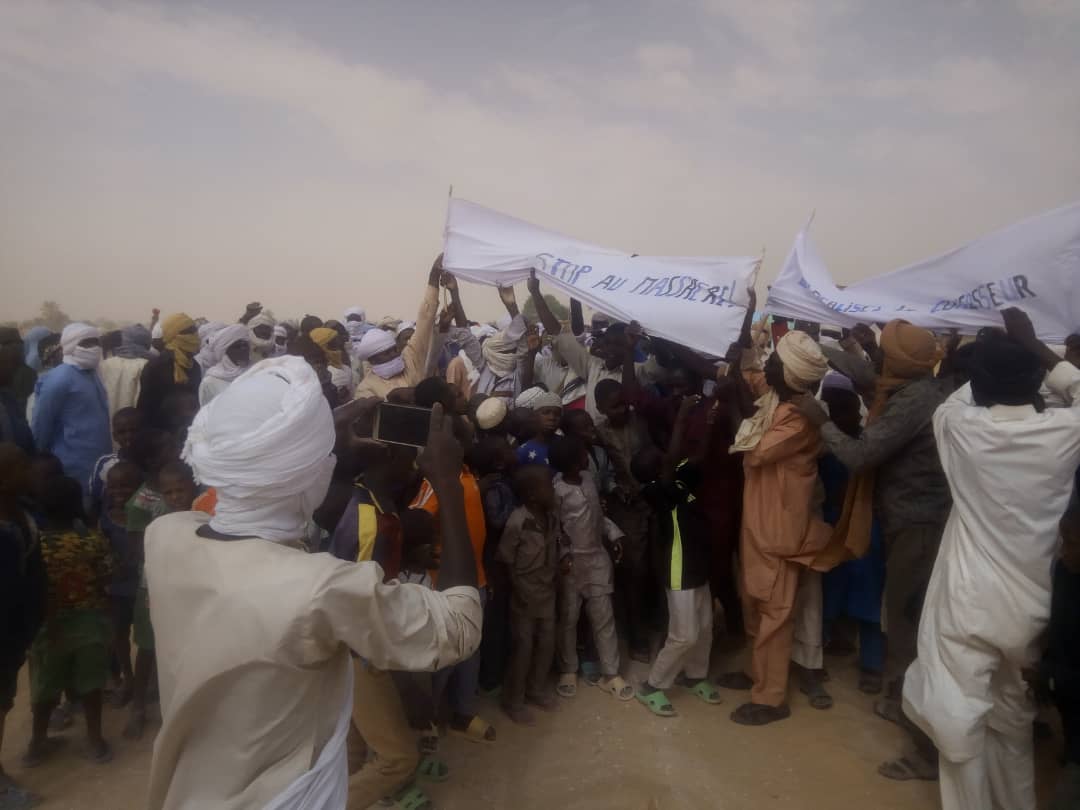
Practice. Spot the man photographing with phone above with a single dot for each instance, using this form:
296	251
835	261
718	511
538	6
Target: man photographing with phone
255	634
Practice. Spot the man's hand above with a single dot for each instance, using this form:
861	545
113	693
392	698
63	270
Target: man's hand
354	424
441	459
253	309
508	298
617	551
533	284
436	271
446	319
632	335
449	280
532	339
812	409
1018	326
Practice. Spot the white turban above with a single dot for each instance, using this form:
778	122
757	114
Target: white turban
80	356
265	444
261	347
206	357
405	325
804	362
225	368
536	398
280	332
374	342
490	413
483	330
357	311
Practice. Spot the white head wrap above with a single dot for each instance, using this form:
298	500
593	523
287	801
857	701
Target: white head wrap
374	342
405	325
83	357
501	349
536	398
206	358
804	364
357	311
490	413
261	347
265	444
389	322
225	368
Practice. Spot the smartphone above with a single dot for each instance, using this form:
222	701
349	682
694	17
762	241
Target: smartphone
401	424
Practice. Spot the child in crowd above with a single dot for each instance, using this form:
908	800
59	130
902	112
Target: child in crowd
122	481
71	652
177	484
154	450
853	588
548	410
579	425
588	573
494	460
22	595
625	433
126	423
529	547
686	550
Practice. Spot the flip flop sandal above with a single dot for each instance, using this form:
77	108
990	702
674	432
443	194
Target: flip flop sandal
618	687
567	685
433	770
905	770
706	692
429	741
657	703
819	698
756	714
409	798
889	710
476	731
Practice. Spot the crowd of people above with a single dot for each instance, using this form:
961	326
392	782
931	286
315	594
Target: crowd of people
207	513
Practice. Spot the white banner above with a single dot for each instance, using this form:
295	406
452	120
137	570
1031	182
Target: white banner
1033	264
698	301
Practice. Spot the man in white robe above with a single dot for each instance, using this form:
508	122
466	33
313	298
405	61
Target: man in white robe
1010	463
254	634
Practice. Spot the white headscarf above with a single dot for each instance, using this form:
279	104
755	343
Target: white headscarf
206	358
804	365
261	347
501	349
84	357
225	368
374	342
265	444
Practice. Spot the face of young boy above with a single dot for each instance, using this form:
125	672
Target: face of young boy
125	429
120	488
549	420
177	492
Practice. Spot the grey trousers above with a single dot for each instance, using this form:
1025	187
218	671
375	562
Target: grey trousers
531	656
601	620
910	555
689	638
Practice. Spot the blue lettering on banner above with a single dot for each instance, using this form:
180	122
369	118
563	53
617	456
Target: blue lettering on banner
992	295
610	283
565	270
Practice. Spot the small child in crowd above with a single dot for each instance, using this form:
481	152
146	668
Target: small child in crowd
71	652
122	481
529	547
126	423
588	573
548	410
579	425
686	550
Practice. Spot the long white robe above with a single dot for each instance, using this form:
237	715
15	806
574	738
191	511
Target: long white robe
253	642
1011	472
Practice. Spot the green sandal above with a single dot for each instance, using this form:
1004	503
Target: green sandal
657	703
433	770
705	691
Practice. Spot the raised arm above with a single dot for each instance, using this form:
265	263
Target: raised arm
528	365
253	309
577	320
415	353
547	318
456	307
678	434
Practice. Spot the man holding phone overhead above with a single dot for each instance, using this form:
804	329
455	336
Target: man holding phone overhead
263	644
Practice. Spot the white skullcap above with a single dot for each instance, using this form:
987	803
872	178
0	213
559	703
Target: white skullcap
265	444
536	398
354	311
373	342
804	362
76	333
490	413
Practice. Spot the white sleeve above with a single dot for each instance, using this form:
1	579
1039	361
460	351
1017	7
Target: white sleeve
1064	380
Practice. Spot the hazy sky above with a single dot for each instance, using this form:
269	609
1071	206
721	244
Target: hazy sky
197	155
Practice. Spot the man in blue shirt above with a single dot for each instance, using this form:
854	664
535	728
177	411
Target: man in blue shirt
71	409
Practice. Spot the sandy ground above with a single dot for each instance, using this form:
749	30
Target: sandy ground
595	753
